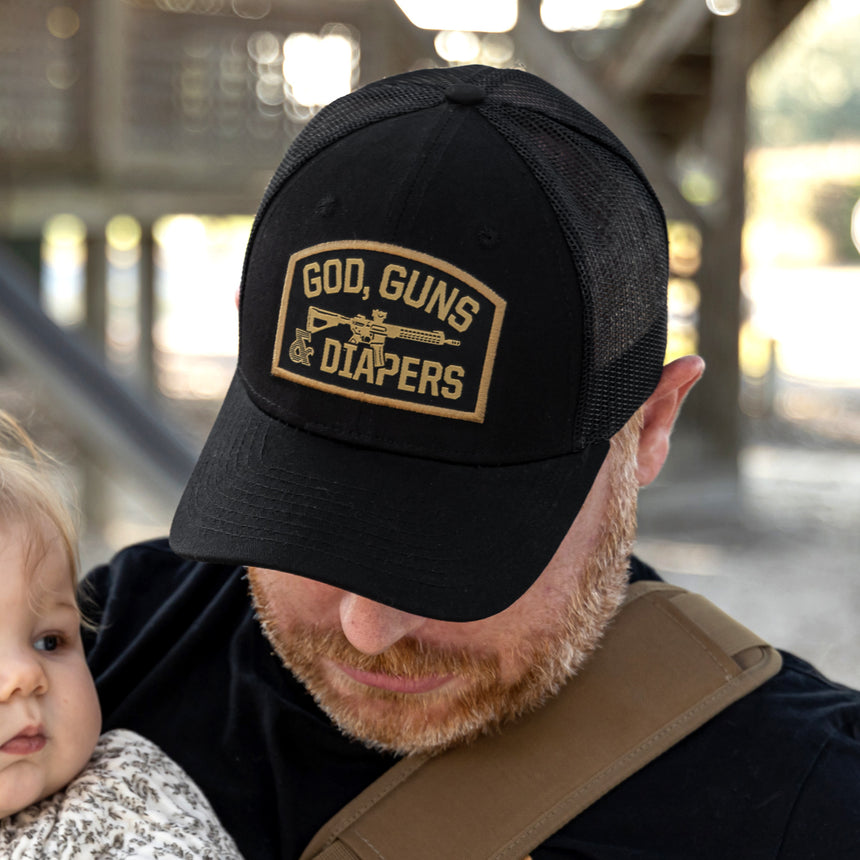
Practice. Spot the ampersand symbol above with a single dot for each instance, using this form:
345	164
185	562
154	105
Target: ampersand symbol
300	349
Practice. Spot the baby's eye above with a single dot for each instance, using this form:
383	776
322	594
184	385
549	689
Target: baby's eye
49	642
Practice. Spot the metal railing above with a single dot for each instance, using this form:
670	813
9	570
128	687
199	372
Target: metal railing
127	429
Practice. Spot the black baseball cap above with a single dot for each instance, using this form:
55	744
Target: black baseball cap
454	294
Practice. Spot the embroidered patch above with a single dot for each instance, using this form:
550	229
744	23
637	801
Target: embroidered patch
388	325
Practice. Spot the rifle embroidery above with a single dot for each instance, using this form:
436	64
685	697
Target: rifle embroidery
373	332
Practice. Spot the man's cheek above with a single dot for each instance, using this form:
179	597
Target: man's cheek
288	596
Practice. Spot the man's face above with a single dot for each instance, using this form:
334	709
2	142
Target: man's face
407	684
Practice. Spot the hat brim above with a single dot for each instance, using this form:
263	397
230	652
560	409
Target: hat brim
440	540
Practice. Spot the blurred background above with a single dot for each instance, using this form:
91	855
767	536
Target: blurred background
137	137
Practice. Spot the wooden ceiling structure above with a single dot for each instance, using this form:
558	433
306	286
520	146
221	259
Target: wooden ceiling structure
148	107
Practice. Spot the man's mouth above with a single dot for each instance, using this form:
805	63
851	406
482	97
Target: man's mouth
395	683
28	741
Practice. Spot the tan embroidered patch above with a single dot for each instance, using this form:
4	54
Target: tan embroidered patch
388	325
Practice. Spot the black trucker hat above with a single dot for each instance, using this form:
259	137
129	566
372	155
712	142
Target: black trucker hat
454	294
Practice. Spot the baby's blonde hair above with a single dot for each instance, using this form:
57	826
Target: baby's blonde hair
33	491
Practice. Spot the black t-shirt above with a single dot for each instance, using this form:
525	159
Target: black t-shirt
179	657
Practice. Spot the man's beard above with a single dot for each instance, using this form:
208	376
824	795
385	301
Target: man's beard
549	654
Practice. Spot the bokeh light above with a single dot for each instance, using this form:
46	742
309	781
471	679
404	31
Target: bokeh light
567	15
63	259
855	226
63	22
723	7
457	46
317	69
484	16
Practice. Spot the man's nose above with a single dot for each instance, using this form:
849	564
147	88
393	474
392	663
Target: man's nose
21	673
373	627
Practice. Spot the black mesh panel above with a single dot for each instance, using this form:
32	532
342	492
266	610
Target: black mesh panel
610	217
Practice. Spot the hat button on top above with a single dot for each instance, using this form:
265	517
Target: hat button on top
465	94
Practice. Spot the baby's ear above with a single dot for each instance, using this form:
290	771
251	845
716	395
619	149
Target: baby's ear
661	410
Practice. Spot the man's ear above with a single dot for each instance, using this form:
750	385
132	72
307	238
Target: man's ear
660	411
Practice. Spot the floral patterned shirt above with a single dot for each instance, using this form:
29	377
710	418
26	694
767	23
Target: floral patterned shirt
131	801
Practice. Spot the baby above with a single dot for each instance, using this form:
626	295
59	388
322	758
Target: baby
64	790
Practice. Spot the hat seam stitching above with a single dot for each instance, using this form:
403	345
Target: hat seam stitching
362	440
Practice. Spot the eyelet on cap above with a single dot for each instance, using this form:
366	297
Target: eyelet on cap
465	94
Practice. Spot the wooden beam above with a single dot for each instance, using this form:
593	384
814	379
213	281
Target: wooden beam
392	44
28	206
656	37
774	17
549	57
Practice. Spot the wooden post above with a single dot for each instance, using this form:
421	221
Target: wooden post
94	489
713	409
95	290
29	250
146	311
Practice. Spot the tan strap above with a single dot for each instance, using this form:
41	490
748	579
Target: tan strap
669	662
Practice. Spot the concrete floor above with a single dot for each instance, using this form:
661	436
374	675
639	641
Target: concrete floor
784	561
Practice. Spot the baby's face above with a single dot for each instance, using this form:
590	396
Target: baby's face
49	712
